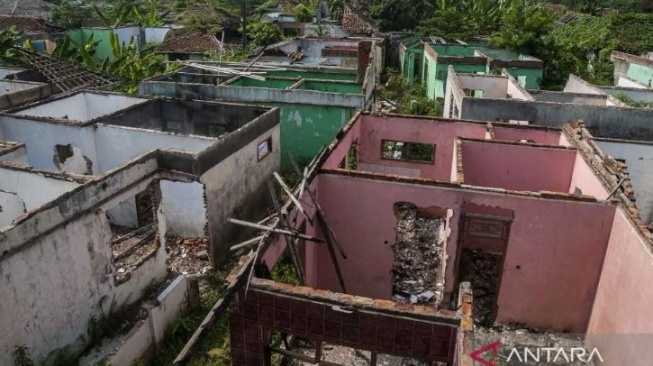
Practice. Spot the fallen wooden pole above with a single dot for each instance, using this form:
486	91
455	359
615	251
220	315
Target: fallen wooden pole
292	196
294	256
246	243
278	231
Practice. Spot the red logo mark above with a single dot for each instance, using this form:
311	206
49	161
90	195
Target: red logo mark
494	347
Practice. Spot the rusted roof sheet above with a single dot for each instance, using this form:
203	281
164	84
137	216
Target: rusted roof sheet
190	43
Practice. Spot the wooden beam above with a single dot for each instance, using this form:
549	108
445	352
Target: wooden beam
278	231
246	243
292	196
290	244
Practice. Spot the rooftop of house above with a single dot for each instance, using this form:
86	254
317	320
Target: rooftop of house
488	209
28	8
87	122
27	24
64	76
286	79
357	24
195	43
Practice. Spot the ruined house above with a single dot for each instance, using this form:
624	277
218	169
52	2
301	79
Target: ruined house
97	186
420	236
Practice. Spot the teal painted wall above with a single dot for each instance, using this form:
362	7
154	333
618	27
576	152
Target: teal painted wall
641	74
533	76
313	75
436	79
346	88
306	128
267	83
454	50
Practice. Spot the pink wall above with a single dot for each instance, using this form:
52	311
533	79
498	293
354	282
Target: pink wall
517	167
548	240
442	134
342	148
585	179
621	326
543	137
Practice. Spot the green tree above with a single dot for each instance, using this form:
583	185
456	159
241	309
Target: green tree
149	15
523	27
70	14
264	33
398	15
303	13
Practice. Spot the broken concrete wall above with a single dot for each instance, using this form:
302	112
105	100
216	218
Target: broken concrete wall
493	86
184	208
641	95
585	182
17	93
602	121
69	240
440	133
236	179
16	155
117	145
621	326
41	139
23	190
567	97
515	134
381	326
638	155
185	117
517	167
542	284
81	107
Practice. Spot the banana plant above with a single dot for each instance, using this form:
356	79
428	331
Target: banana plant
118	15
152	18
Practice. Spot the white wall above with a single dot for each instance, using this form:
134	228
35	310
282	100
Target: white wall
156	35
117	145
11	206
639	158
492	86
7	87
6	71
41	137
18	156
34	189
82	107
124	214
628	83
184	208
126	34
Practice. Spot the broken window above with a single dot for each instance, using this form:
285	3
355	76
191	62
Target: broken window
352	156
133	227
264	148
408	151
476	93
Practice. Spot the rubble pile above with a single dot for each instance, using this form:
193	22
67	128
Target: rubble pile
132	249
189	256
482	269
418	254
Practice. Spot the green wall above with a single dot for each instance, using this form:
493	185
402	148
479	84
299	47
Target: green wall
346	88
533	76
267	83
641	74
313	75
306	128
436	79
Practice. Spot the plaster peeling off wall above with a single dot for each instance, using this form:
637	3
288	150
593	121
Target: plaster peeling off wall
11	206
33	188
184	208
70	159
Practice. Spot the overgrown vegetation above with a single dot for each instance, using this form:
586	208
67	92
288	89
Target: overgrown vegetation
632	102
409	99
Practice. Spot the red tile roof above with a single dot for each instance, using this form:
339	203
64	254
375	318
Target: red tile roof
190	43
355	24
